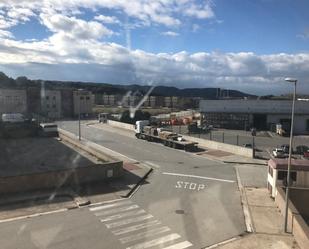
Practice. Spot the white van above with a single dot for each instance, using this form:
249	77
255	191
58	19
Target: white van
12	118
49	129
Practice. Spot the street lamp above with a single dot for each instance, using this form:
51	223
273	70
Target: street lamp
291	80
79	91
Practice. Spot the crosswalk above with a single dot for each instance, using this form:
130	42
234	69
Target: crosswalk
135	228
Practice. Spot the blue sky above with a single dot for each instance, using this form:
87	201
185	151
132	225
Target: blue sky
238	44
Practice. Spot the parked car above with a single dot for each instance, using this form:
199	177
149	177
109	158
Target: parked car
247	145
285	148
301	149
279	153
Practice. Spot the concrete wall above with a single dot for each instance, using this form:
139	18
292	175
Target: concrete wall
111	168
296	223
121	125
55	179
238	150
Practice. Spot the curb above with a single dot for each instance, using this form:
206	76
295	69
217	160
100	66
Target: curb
245	206
264	164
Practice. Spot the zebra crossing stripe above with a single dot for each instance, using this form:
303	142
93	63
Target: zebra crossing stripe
128	221
116	210
123	215
110	205
136	227
142	235
181	245
155	242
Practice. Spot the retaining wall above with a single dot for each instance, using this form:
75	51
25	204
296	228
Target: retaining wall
238	150
121	125
296	223
110	168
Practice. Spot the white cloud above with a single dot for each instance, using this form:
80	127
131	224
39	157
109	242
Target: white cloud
75	28
170	33
107	19
109	62
6	34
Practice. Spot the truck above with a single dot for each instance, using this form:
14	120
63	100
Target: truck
145	131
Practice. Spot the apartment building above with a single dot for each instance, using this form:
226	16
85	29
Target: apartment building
13	101
51	103
83	102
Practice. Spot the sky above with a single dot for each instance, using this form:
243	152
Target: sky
247	45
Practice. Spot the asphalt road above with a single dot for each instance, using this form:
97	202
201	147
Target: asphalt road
188	202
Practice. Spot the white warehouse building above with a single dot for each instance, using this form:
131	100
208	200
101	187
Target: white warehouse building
260	114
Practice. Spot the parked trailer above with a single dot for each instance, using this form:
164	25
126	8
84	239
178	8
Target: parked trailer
159	135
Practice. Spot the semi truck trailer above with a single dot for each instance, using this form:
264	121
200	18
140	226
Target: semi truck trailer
160	135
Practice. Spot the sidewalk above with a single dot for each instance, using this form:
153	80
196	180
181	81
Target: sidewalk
264	216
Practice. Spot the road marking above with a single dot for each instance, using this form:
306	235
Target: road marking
199	177
152	164
123	215
190	185
155	242
110	205
136	227
116	210
128	221
181	245
142	235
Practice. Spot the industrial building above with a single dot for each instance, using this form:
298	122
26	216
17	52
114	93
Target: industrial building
260	114
13	101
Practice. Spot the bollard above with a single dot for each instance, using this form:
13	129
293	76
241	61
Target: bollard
210	138
237	140
222	137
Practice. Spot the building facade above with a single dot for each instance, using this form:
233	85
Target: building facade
277	174
261	114
13	101
83	102
51	103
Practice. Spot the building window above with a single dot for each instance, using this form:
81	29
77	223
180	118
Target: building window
282	174
54	106
81	98
87	98
47	97
54	97
47	106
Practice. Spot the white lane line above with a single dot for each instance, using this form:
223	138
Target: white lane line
123	215
200	177
155	242
146	234
128	221
116	210
181	245
136	227
110	205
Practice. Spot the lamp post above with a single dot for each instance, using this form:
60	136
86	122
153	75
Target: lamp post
79	111
291	80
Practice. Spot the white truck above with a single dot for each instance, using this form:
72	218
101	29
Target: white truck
155	134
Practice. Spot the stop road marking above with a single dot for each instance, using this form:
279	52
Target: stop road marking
190	185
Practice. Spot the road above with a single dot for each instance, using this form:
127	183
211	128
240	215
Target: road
188	202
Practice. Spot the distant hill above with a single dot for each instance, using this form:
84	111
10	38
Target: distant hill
101	88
